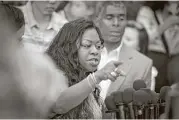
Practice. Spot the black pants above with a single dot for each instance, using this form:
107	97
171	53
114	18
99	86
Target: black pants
160	61
168	69
173	69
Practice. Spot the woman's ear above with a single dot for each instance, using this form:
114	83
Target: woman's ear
78	42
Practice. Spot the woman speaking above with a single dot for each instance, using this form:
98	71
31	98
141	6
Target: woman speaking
76	50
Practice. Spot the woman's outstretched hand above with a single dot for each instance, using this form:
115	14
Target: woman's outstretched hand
109	71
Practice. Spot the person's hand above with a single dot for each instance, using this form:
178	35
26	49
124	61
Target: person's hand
169	22
109	71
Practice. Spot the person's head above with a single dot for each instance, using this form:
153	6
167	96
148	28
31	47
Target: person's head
136	37
168	7
13	103
12	21
172	8
111	18
15	3
133	8
77	49
46	7
79	9
156	5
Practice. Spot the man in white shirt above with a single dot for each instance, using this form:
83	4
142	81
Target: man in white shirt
42	24
112	21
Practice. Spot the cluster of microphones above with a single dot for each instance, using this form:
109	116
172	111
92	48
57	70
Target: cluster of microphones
138	102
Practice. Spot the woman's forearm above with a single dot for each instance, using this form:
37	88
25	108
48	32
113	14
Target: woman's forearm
74	95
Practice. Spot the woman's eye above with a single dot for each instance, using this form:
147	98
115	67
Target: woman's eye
108	17
86	46
99	46
121	18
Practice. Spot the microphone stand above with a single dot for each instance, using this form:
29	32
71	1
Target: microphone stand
132	116
157	111
146	112
120	114
126	111
113	113
139	110
161	106
151	106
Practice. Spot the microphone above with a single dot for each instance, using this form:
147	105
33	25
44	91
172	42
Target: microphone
119	104
128	99
110	105
162	98
153	106
140	98
111	108
163	92
138	84
172	106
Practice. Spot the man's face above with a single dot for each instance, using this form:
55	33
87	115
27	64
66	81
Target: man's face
113	23
79	9
173	8
46	7
131	38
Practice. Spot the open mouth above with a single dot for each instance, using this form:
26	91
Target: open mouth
117	34
50	9
94	62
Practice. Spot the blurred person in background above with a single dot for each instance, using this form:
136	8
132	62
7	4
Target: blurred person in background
111	19
170	28
160	18
42	24
27	87
45	18
135	36
133	8
78	9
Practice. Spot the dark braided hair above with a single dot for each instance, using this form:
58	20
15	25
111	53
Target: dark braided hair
143	37
64	51
156	5
64	48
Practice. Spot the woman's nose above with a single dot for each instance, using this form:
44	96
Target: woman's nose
94	50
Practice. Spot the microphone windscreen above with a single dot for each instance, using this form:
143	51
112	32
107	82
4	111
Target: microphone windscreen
138	84
117	97
153	94
141	97
109	102
174	90
163	92
128	95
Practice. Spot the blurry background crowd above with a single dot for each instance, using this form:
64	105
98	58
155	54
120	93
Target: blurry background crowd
152	28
